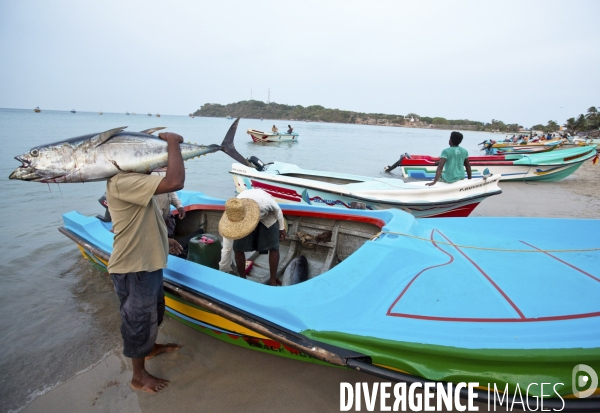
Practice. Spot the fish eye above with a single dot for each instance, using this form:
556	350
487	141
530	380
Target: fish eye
34	152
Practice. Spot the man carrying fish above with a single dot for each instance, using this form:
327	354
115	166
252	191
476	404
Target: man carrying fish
252	221
140	252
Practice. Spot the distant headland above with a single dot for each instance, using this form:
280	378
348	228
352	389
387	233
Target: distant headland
256	109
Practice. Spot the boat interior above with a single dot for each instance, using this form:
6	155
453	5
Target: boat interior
323	178
324	242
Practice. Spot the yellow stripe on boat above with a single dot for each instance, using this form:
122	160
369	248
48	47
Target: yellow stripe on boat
210	318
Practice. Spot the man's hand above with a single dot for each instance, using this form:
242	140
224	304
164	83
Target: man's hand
175	248
431	183
281	234
181	212
166	136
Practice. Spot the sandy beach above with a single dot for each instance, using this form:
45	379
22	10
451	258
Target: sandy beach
209	375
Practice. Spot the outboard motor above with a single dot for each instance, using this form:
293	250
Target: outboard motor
104	203
257	163
397	164
488	147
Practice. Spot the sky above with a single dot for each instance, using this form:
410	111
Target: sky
523	62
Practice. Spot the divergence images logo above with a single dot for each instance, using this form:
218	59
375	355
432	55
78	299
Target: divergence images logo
585	381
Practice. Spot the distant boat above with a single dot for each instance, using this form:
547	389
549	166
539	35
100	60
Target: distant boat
259	136
191	115
158	115
73	111
127	113
229	117
100	113
149	114
133	113
37	109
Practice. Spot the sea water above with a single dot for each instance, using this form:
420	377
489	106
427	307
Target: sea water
58	313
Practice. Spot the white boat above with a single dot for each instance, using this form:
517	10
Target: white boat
290	184
259	136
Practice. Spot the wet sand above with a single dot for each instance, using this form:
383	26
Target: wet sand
209	375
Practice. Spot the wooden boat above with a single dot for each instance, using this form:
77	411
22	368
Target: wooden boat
259	136
37	109
488	147
489	300
289	183
538	142
547	166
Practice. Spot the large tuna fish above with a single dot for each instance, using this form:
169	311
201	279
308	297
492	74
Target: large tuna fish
296	272
98	156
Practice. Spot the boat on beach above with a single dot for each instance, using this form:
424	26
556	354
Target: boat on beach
530	142
488	147
547	166
259	136
437	300
292	184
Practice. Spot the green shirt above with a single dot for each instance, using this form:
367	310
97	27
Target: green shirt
454	168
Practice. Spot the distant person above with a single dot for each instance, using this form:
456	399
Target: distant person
290	130
252	221
165	201
274	129
453	162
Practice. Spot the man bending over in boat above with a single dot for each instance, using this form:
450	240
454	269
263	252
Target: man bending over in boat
140	252
274	129
453	162
252	221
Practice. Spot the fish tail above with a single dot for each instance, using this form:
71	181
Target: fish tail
228	147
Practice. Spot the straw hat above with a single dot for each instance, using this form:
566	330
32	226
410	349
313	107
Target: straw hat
240	218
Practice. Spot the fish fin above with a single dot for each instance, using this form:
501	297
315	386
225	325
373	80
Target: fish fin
152	130
227	144
104	136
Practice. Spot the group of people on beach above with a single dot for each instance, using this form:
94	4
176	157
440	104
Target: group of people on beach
527	138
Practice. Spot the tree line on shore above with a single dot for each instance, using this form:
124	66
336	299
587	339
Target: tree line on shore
590	122
257	110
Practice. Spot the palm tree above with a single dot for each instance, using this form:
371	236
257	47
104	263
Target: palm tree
571	126
552	126
593	117
581	123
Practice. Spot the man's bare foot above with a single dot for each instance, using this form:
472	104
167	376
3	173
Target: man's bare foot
162	348
149	383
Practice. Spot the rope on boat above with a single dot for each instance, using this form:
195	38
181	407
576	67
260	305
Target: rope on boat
374	237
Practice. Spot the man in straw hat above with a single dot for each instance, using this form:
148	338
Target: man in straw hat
252	221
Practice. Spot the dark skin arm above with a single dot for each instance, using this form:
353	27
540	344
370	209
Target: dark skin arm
439	170
468	168
175	177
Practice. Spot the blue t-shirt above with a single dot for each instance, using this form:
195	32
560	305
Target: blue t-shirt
454	168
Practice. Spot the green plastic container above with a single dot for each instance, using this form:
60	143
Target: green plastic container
205	249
